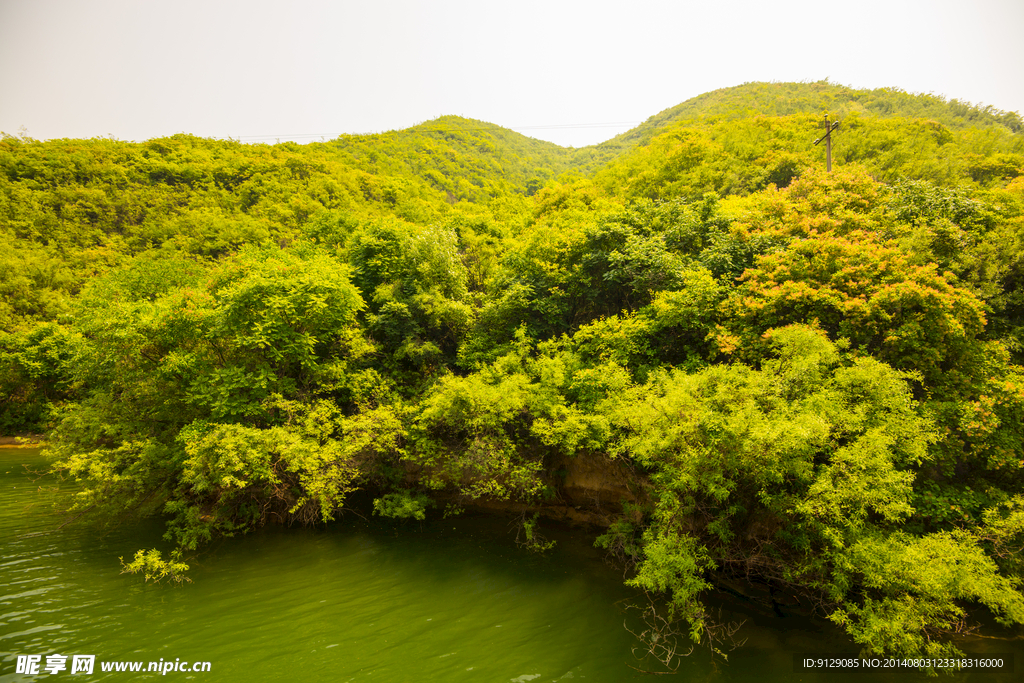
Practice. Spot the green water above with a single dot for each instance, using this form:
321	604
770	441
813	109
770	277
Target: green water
360	600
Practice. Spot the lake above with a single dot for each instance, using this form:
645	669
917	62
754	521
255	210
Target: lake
362	599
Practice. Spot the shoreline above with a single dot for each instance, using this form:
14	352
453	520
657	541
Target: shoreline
22	441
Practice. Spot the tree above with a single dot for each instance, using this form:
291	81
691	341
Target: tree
802	474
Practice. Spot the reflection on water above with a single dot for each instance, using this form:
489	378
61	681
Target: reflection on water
360	600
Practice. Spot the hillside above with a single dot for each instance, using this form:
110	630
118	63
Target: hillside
467	159
738	364
786	99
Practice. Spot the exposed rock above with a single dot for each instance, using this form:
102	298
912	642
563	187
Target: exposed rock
590	489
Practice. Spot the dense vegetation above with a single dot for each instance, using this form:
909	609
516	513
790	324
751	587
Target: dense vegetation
814	378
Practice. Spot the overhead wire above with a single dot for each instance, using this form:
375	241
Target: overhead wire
441	129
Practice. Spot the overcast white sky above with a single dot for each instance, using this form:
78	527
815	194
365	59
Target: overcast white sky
575	73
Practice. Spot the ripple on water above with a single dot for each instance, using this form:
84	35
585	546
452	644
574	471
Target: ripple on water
451	601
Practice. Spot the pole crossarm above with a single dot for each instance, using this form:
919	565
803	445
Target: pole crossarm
827	137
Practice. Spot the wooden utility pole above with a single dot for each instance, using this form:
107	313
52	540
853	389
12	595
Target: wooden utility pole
829	127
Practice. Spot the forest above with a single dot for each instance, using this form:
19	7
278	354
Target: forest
809	381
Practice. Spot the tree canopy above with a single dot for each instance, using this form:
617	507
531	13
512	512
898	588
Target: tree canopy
811	379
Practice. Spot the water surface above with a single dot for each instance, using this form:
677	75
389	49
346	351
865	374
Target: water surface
359	600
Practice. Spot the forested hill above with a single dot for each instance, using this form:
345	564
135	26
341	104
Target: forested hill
466	159
784	99
787	99
805	379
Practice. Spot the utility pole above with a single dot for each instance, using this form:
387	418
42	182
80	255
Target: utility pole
829	127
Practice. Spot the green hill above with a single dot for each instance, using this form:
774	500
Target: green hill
810	380
466	159
786	99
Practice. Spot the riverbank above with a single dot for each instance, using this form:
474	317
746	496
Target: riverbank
22	441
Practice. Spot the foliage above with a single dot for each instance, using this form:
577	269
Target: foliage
813	377
528	536
152	565
402	504
803	471
205	398
622	538
488	433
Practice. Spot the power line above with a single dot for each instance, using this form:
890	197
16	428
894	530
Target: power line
617	124
441	129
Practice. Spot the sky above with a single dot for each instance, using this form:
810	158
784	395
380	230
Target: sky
574	73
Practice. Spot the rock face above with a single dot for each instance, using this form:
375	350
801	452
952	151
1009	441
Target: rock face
590	489
598	482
